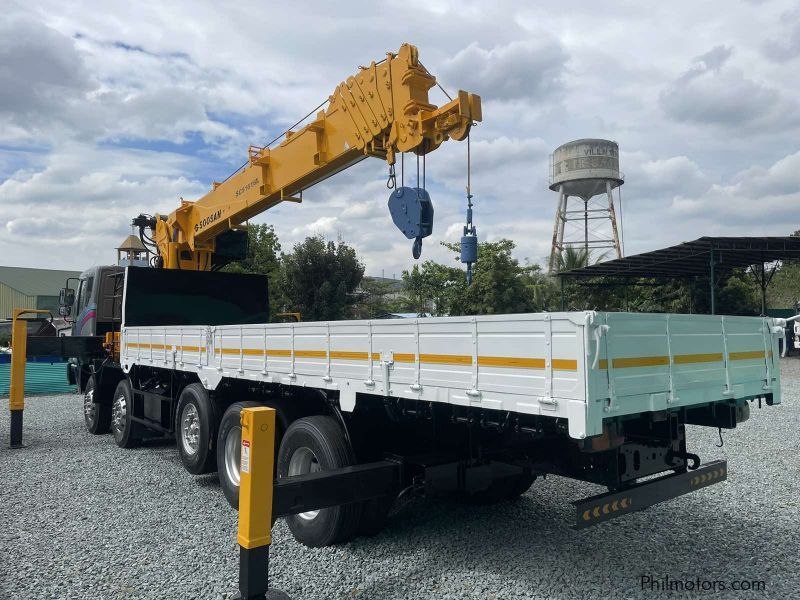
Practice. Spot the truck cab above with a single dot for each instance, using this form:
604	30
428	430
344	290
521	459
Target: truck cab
92	305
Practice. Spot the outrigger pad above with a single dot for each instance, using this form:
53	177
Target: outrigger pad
412	213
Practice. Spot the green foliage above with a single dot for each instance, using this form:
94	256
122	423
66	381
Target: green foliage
784	291
500	285
374	298
263	257
573	257
319	278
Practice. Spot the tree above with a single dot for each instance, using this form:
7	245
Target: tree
432	288
319	278
263	257
374	298
573	258
500	284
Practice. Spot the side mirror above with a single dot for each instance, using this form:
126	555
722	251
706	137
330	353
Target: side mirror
66	298
65	311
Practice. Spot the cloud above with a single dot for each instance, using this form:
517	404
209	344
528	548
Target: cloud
105	113
530	69
759	199
710	93
785	46
74	209
41	76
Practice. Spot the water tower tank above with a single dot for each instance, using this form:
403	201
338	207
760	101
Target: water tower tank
583	167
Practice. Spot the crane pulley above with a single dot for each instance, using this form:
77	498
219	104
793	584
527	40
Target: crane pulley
380	111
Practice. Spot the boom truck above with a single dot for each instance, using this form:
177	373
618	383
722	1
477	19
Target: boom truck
476	406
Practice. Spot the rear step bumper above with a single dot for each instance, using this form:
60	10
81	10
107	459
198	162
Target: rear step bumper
604	507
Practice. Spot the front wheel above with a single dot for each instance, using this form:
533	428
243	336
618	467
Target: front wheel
309	445
96	413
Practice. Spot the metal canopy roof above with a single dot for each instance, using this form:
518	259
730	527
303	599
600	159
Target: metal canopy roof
694	258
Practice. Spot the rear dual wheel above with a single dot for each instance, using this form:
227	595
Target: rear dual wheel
127	433
313	444
309	445
196	430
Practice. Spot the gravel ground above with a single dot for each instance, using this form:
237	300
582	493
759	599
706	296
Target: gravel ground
81	518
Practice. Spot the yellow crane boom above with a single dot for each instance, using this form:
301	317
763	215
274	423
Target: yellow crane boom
380	111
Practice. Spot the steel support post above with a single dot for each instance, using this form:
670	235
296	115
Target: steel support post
255	504
712	283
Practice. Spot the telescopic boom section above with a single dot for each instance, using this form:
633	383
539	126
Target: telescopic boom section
380	111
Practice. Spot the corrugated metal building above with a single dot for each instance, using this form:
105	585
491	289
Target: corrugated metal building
21	287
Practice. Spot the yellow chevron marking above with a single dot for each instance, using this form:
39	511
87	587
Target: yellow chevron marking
586	515
639	361
404	358
310	354
345	355
511	361
615	505
565	364
445	359
688	359
746	355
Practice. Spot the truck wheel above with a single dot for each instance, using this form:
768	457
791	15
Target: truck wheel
196	430
127	434
96	413
309	445
229	450
502	490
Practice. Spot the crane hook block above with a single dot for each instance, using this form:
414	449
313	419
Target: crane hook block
412	213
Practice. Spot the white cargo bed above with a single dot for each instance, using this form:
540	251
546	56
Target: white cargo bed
552	364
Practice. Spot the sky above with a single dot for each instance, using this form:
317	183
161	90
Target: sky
111	109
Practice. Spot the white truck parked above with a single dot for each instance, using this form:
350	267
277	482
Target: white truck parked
473	406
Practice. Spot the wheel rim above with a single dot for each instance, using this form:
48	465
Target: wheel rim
118	414
89	407
302	462
233	455
190	429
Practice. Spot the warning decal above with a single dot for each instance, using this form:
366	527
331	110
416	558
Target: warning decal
245	462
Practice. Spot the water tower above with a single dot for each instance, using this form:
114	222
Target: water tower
585	173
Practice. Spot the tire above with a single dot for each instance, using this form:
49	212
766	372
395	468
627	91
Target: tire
127	434
96	410
502	490
229	448
315	444
196	430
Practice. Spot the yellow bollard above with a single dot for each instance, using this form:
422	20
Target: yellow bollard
19	355
255	502
257	468
16	392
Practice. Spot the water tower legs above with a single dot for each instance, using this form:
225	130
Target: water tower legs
558	231
613	215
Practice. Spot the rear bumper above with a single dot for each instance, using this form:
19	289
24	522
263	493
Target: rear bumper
604	507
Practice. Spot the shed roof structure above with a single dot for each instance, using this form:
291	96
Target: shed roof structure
35	282
701	257
694	258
